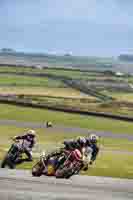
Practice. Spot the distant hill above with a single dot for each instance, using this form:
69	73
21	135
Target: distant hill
126	57
9	56
7	50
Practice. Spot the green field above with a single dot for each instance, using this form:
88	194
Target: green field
69	73
16	80
75	74
112	165
121	96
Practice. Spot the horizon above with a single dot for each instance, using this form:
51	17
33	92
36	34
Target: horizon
5	50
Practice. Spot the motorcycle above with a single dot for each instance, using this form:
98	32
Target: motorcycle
65	165
38	168
72	165
13	155
49	166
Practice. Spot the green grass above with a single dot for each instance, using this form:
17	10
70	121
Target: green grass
76	74
40	115
61	72
121	96
16	80
112	165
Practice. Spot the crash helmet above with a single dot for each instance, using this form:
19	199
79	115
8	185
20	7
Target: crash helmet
93	138
31	133
81	141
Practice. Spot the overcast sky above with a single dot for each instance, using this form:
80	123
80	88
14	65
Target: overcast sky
87	27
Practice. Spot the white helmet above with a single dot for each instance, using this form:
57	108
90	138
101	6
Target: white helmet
93	138
31	132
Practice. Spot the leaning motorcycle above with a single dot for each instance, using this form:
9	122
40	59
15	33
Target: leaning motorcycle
47	166
72	165
14	153
39	167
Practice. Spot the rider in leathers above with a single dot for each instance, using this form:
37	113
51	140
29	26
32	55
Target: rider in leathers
90	151
88	146
92	141
69	146
28	143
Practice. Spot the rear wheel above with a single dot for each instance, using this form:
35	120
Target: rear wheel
7	162
4	162
64	173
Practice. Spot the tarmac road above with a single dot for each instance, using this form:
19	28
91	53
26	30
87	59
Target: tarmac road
20	185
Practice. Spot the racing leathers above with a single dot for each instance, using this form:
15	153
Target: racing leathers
69	145
27	145
89	151
95	150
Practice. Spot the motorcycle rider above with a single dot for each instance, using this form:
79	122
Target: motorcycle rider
89	148
28	143
92	141
72	144
69	145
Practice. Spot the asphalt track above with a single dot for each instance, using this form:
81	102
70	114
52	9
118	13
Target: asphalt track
60	128
20	185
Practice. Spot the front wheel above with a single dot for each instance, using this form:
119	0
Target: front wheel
37	169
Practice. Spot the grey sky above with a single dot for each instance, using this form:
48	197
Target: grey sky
87	27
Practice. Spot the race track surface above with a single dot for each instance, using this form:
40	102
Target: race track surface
20	185
66	129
